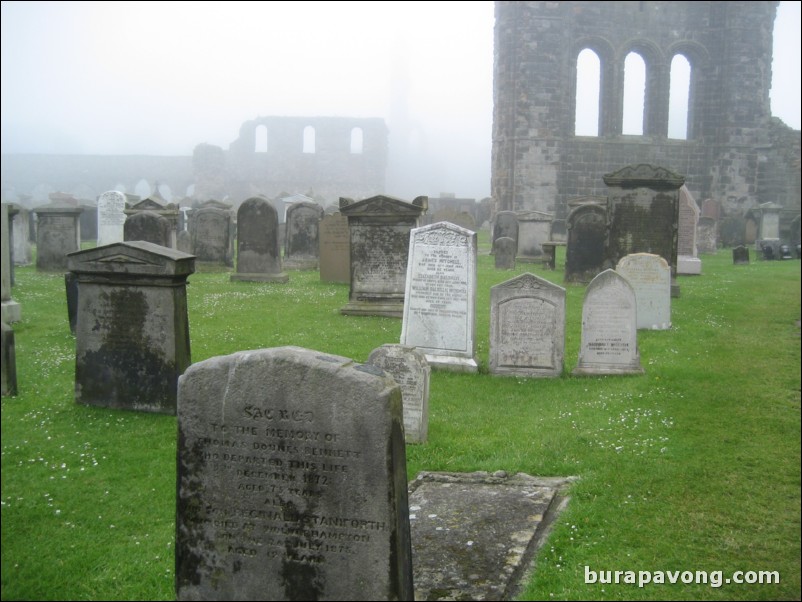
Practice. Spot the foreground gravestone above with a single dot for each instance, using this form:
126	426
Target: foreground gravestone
527	327
10	309
132	330
587	232
212	235
411	371
650	278
58	232
440	301
301	242
379	230
110	218
258	251
291	480
335	247
609	342
8	363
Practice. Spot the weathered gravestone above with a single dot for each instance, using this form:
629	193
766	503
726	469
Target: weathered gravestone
768	234
58	232
650	278
10	309
156	204
335	249
110	218
534	228
258	251
379	229
440	302
609	342
587	233
301	242
740	255
291	480
148	226
212	235
71	289
411	371
132	332
642	215
21	252
527	327
504	249
506	225
8	363
707	235
688	261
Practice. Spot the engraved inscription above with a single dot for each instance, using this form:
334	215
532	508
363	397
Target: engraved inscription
526	328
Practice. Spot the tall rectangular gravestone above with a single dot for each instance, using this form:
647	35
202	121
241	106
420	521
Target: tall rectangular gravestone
291	480
258	250
132	329
379	229
212	235
335	247
301	241
411	371
688	261
609	342
10	309
534	228
58	232
527	327
584	251
110	218
440	301
650	278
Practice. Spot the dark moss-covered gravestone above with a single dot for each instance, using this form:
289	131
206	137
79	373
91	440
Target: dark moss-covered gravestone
291	480
132	328
587	232
148	226
258	250
301	242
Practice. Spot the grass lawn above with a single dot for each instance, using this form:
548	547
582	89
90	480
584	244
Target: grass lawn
693	466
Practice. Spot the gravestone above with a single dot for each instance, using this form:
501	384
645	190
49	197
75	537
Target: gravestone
740	255
110	218
71	289
8	363
302	243
9	310
258	251
411	371
212	235
88	220
156	204
291	480
609	342
379	230
58	233
650	278
132	332
586	235
148	226
642	214
559	231
504	249
335	248
506	225
707	235
440	302
21	252
688	261
534	228
768	235
527	327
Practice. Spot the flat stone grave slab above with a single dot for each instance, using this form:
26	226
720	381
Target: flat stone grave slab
474	535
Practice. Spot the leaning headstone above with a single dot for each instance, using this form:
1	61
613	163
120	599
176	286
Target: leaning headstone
379	229
527	327
534	228
10	309
8	367
506	225
411	371
292	481
301	243
740	255
609	342
688	261
440	302
212	235
132	332
650	278
110	218
258	252
642	214
58	233
148	226
335	249
584	250
504	249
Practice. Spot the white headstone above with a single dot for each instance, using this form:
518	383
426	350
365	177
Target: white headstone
110	217
650	277
439	304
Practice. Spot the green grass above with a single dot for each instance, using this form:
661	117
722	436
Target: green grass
694	465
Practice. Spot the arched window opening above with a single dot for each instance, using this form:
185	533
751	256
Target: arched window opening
634	94
356	141
679	97
309	139
261	139
588	83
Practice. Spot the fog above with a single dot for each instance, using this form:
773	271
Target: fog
159	78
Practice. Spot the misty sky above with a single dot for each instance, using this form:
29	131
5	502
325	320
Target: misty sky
158	78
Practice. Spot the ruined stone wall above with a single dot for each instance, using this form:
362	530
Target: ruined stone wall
735	151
